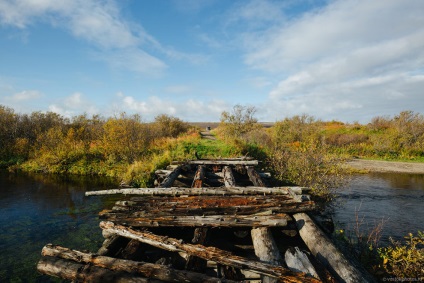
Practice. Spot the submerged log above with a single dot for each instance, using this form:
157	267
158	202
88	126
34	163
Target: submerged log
149	270
201	191
152	220
71	270
297	260
208	253
325	251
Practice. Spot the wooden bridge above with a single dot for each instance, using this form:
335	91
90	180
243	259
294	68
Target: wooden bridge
206	221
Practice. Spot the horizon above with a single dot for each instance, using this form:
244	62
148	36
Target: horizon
342	60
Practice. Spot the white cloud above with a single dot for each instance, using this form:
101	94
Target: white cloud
188	110
98	22
73	105
25	95
178	89
343	59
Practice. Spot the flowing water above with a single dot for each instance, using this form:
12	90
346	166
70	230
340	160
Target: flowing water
396	199
38	209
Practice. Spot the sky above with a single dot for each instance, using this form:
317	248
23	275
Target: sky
347	60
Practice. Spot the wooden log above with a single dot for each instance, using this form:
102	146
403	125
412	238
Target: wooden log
266	249
297	260
198	177
254	177
325	251
229	180
277	220
71	270
208	253
149	270
201	191
169	180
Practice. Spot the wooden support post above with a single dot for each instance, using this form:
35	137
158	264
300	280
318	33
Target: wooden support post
254	177
169	180
196	263
325	251
229	179
198	177
208	253
266	249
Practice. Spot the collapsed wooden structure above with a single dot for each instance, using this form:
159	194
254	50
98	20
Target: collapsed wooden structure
205	221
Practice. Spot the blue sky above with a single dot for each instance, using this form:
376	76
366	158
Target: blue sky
347	60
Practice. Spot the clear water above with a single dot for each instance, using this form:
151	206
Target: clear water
396	199
37	210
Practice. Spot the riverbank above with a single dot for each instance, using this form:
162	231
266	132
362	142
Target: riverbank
386	166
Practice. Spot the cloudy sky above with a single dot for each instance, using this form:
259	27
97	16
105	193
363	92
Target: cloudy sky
347	60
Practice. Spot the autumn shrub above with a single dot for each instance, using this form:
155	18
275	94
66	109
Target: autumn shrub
404	260
309	165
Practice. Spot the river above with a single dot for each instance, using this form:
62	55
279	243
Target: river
38	209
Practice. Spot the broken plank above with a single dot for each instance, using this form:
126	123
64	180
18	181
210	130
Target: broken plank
149	270
174	191
208	253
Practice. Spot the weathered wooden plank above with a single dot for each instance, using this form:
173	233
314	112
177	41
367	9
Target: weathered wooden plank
208	253
208	211
223	162
325	251
149	270
71	270
174	191
152	220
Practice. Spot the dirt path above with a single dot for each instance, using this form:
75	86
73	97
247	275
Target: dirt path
387	166
207	135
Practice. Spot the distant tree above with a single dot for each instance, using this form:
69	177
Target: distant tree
168	126
240	121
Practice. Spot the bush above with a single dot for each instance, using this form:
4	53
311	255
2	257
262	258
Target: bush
404	261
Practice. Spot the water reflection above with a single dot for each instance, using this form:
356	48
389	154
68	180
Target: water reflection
395	198
38	209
